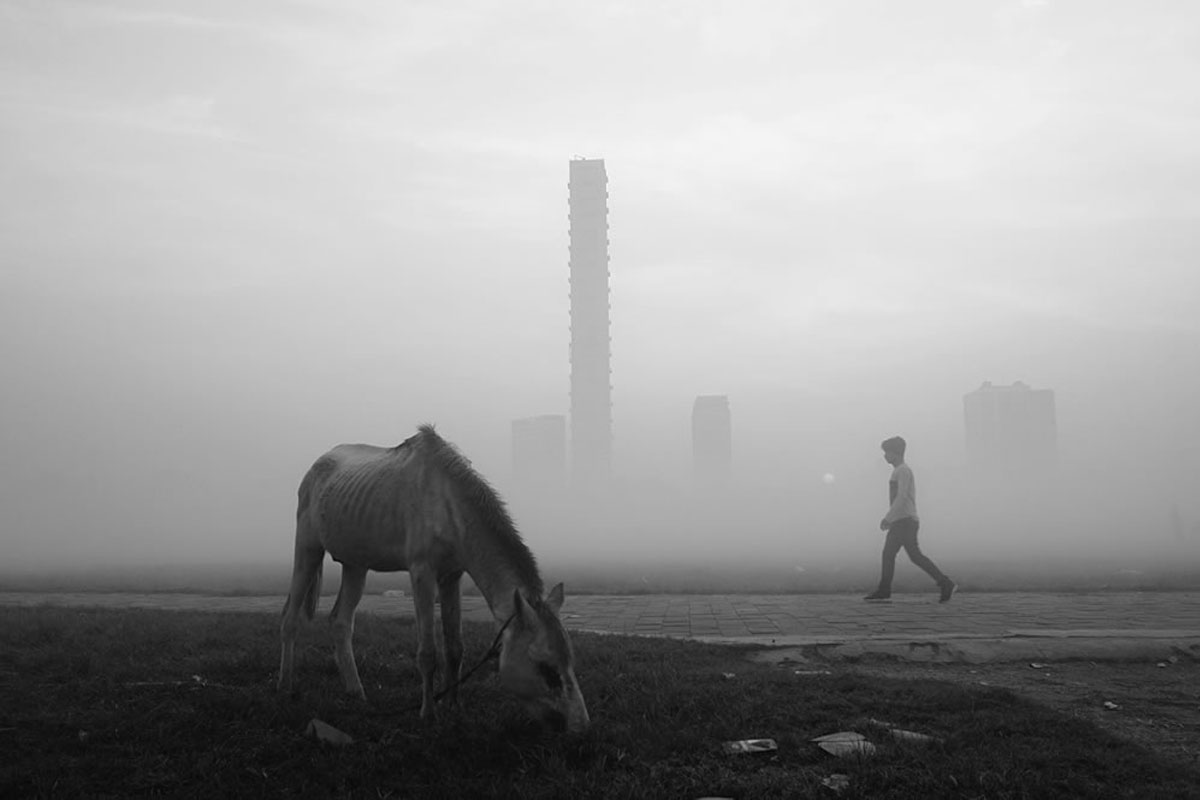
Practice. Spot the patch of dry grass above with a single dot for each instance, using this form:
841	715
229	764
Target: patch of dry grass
98	703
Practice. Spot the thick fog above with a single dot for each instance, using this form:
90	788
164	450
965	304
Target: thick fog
233	235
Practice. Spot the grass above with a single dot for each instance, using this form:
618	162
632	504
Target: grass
97	703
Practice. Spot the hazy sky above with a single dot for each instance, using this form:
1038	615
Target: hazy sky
234	234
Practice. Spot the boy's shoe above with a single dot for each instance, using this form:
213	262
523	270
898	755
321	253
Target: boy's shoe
948	589
877	597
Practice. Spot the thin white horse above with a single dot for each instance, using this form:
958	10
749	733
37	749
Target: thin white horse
421	507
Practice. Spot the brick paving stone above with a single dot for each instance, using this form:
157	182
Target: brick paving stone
842	616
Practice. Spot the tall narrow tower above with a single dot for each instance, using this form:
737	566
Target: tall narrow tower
591	388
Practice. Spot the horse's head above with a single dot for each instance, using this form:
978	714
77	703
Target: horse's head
537	664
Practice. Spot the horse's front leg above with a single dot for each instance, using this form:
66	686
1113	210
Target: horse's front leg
342	623
451	599
424	585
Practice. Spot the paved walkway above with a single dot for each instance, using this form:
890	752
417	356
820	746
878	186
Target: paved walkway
972	627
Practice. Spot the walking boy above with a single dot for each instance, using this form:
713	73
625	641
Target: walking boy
901	524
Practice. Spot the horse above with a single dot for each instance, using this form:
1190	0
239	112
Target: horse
422	507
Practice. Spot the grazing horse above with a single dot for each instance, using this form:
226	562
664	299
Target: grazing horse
421	507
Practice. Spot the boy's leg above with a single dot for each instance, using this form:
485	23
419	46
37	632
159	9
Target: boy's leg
923	561
891	546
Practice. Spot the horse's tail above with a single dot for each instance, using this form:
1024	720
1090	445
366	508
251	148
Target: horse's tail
310	592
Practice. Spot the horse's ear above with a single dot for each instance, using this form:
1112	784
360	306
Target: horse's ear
519	606
555	599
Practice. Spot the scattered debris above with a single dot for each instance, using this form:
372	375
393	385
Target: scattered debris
845	743
1110	705
324	732
750	746
197	682
728	675
901	735
837	782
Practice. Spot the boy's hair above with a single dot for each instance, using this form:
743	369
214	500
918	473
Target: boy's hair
896	445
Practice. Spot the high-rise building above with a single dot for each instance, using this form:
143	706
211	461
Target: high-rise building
1010	429
591	387
539	451
712	440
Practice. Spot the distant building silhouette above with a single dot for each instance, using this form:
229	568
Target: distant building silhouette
539	451
1010	429
712	440
591	387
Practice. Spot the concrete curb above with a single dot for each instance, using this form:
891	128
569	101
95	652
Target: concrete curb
1039	647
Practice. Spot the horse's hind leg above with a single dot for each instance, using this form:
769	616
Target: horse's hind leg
302	597
342	622
424	584
451	600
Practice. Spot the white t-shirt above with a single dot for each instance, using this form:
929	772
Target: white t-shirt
902	491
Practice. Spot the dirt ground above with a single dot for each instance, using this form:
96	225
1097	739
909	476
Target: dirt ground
1157	704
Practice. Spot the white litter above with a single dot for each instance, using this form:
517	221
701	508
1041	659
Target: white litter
901	735
750	746
845	743
324	732
837	781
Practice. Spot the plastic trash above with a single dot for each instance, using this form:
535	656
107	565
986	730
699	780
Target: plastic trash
837	782
845	743
1110	705
1036	665
750	746
728	675
324	732
901	735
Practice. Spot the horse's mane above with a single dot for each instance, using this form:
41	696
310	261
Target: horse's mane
488	506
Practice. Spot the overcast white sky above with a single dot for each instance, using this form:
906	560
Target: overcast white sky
234	234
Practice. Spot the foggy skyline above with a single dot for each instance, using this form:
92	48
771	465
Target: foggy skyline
232	236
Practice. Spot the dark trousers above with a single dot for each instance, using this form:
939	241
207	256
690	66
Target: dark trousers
903	534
